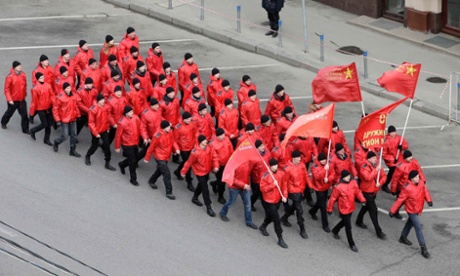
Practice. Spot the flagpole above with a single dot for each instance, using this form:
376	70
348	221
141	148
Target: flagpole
362	107
328	152
404	129
380	163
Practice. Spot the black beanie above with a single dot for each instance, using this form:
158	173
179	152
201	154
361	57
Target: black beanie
130	30
258	143
108	38
334	124
136	81
187	56
295	154
91	61
338	147
279	88
166	65
407	153
413	174
201	138
370	154
154	45
245	78
43	58
112	57
99	97
65	85
114	73
282	135
164	124
133	49
225	83
227	102
249	126
64	51
169	89
193	76
16	63
139	64
153	101
62	69
81	43
219	131
117	88
38	75
273	162
186	115
391	129
251	93
202	106
127	108
89	80
195	90
344	174
264	119
322	156
161	77
288	109
215	71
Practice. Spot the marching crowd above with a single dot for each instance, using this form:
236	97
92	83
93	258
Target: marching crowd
146	121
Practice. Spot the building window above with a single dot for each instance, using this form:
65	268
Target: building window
453	13
394	9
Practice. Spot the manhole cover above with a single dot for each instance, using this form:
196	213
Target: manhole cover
436	80
350	50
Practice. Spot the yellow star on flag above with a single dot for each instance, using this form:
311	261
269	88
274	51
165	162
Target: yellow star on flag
348	73
410	70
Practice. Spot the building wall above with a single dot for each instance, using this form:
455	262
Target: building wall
372	8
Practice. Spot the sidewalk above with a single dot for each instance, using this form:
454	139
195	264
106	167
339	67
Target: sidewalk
387	42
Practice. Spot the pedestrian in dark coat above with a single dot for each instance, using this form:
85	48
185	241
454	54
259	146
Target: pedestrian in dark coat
273	8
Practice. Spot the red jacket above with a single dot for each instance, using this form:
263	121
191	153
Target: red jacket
345	194
109	88
125	45
413	196
276	105
137	99
223	149
58	89
214	85
154	64
130	65
191	105
42	97
161	146
48	72
15	86
281	155
341	163
70	67
228	121
297	177
205	125
171	77
202	161
250	112
98	119
368	176
259	168
270	192
170	110
283	124
242	176
95	74
86	99
306	147
390	148
219	99
146	82
65	108
242	93
401	174
128	131
151	121
107	72
319	173
184	72
158	91
253	137
185	135
105	53
360	157
337	137
188	87
269	135
115	106
81	59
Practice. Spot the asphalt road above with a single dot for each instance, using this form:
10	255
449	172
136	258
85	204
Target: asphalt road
89	221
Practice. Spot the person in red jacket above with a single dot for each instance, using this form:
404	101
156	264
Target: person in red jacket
137	97
160	88
259	168
228	121
63	77
413	196
337	137
112	65
109	86
287	118
187	67
95	73
342	161
66	113
109	48
161	147
224	149
185	134
67	62
129	39
268	133
144	77
150	124
15	90
86	98
130	63
41	103
282	154
277	102
322	174
345	193
369	185
155	62
297	180
224	93
250	111
240	186
127	137
214	85
191	86
203	159
44	67
170	76
192	104
393	145
115	104
246	85
248	133
307	148
98	124
170	108
81	58
274	190
204	122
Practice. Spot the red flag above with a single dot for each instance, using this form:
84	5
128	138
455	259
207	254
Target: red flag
317	124
245	152
371	129
402	80
337	84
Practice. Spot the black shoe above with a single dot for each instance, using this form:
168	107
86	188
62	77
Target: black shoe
275	34
26	131
190	187
214	186
4	126
122	169
221	200
382	236
398	216
253	209
109	167
74	153
210	211
354	248
313	216
47	142
404	241
310	203
134	182
252	225
224	218
425	252
386	189
269	33
177	174
336	235
263	230
170	196
282	243
55	146
87	160
32	135
303	233
361	225
326	229
196	202
152	184
285	221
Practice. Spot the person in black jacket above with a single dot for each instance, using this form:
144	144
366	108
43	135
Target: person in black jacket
273	8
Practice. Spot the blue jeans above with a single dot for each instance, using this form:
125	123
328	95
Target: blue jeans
245	196
66	130
414	221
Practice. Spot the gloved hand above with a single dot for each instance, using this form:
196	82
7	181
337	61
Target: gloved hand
391	214
430	204
400	147
329	213
58	124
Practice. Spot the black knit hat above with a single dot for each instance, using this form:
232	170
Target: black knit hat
407	153
114	73
16	63
219	131
186	115
161	77
322	156
99	97
153	101
117	88
164	124
130	30
154	45
225	83
273	162
166	65
251	93
228	102
195	90
249	126
112	57
133	49
43	58
64	52
391	129
201	138
334	124
65	85
215	71
413	174
169	89
91	61
126	109
62	69
187	56
193	76
81	43
258	143
89	80
278	88
108	38
38	75
264	119
245	78
202	106
338	147
139	64
295	154
371	154
282	135
136	81
288	110
344	174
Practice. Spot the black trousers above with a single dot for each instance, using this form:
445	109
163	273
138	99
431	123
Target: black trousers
81	122
46	121
391	171
202	187
234	142
273	17
371	206
255	187
143	150
185	155
131	160
296	207
112	132
162	169
219	183
21	106
271	215
321	198
346	221
95	144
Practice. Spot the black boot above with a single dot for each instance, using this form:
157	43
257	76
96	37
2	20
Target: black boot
303	233
87	160
263	229
109	167
281	241
55	146
73	152
269	32
190	187
404	240
425	252
210	211
284	221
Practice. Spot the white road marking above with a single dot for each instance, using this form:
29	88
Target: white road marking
425	210
240	67
58	17
413	127
441	166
